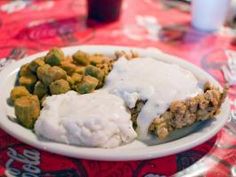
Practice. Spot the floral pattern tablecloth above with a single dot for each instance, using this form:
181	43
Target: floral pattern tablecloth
30	26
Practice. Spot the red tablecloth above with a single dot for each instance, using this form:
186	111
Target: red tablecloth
27	27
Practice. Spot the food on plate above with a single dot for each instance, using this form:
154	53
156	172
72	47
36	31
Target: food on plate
27	110
156	93
33	66
59	86
74	79
48	74
87	85
40	89
25	70
18	92
98	119
126	54
106	67
54	57
55	73
95	72
81	58
69	67
28	81
102	101
184	113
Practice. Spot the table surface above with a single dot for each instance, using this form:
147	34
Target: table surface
28	27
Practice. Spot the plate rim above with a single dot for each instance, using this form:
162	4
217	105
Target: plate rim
117	154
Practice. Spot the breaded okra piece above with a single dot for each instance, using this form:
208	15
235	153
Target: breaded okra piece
74	79
80	70
87	85
25	70
48	74
95	72
42	71
59	87
33	65
40	89
68	67
106	67
28	81
96	59
54	57
81	58
27	110
70	81
18	92
68	59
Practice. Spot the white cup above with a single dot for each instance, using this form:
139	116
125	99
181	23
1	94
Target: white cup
209	15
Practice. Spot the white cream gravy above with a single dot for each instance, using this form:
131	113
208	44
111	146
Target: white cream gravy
148	79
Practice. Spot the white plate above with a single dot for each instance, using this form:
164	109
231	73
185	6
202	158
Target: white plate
179	141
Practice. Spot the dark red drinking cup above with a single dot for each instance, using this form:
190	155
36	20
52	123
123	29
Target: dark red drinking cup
104	10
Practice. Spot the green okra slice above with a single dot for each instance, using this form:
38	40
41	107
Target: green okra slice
40	89
27	110
33	65
54	57
59	87
81	58
28	81
87	85
18	92
48	74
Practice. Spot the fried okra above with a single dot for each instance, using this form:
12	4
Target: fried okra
18	92
56	73
106	67
68	59
70	80
27	110
81	58
48	74
40	89
25	70
76	77
96	59
87	85
54	57
80	69
59	87
95	72
42	71
102	62
33	65
28	81
68	67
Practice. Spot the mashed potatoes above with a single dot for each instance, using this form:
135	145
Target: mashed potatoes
97	119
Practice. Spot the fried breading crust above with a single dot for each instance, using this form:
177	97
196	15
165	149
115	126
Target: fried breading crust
185	113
